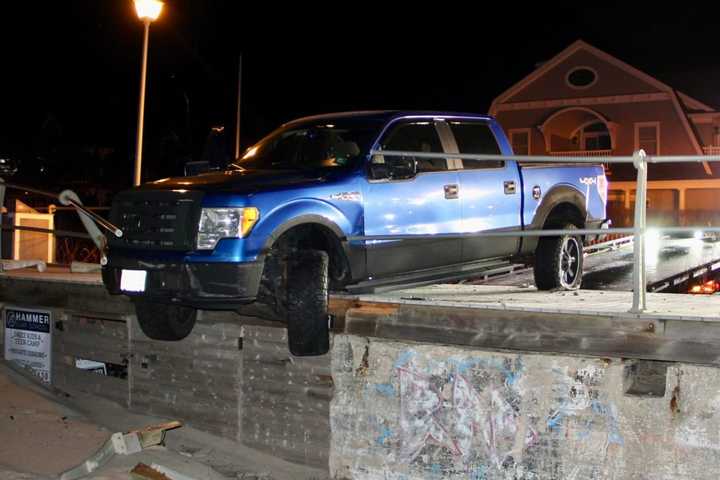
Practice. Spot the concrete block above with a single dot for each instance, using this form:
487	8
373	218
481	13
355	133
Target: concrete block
416	411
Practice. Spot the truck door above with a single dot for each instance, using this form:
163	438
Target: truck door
424	201
490	192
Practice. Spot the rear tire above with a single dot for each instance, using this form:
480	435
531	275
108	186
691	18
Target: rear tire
161	321
559	262
307	302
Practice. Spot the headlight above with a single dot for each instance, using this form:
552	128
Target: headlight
217	223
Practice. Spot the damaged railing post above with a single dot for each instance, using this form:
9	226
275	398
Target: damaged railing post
639	278
90	221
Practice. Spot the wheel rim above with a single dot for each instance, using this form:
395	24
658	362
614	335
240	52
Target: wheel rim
569	267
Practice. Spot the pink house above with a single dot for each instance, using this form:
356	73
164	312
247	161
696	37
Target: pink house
587	102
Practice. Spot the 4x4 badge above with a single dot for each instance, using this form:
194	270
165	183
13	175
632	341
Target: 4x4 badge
346	196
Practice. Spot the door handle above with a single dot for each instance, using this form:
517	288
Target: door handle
451	191
509	187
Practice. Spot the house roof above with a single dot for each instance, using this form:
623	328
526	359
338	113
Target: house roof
582	45
681	101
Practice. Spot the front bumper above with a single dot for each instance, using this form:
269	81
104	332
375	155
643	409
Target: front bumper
210	285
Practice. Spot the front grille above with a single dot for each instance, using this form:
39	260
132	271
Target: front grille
156	220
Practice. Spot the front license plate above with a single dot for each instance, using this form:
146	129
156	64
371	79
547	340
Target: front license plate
133	280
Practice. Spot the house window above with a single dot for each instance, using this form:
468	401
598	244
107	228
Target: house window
581	78
520	140
595	136
647	137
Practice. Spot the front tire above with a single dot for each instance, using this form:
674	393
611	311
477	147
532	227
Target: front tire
559	262
165	322
307	302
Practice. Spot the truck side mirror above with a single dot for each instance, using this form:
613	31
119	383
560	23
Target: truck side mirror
402	168
392	168
378	168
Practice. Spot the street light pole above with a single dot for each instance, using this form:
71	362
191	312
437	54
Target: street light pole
237	119
141	108
148	11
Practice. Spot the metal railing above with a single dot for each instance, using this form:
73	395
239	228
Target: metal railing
639	229
639	159
89	219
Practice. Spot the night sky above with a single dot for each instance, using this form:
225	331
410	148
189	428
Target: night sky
70	77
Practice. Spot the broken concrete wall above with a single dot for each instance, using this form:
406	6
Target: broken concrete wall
411	411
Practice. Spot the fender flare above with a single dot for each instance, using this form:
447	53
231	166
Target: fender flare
304	220
555	196
355	258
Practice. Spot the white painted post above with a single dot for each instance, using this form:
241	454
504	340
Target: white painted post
639	278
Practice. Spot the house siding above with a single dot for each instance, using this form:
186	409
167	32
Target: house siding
674	139
611	81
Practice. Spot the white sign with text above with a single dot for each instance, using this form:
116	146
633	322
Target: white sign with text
28	339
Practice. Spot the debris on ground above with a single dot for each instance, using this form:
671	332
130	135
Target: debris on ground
121	444
145	472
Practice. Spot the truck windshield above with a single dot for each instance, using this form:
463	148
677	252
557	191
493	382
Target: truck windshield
312	146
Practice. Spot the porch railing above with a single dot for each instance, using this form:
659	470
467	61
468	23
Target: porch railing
582	153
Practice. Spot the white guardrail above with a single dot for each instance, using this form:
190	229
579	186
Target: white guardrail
639	159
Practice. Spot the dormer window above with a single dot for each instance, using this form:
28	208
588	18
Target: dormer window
581	78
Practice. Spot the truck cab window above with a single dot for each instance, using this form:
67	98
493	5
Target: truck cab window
417	137
476	138
310	147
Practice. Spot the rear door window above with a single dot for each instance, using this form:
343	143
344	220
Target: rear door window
476	138
417	137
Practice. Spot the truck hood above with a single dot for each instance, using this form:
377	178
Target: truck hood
240	181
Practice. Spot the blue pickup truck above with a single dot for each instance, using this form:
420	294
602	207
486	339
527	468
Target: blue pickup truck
295	217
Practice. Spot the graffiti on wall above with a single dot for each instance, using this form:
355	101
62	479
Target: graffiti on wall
465	414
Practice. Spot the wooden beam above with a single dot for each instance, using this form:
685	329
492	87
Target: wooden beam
613	335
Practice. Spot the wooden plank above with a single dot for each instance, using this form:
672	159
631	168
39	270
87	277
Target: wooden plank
571	333
54	294
295	406
294	450
97	354
181	395
229	351
224	422
112	388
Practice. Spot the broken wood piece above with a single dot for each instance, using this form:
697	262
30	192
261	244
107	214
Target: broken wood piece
121	444
155	434
171	474
145	472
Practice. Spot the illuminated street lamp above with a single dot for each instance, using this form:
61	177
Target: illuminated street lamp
148	11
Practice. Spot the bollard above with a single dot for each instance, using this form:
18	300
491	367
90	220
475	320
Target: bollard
639	282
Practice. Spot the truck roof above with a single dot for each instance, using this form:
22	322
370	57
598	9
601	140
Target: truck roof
387	115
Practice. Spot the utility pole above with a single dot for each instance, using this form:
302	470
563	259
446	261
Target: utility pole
237	118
